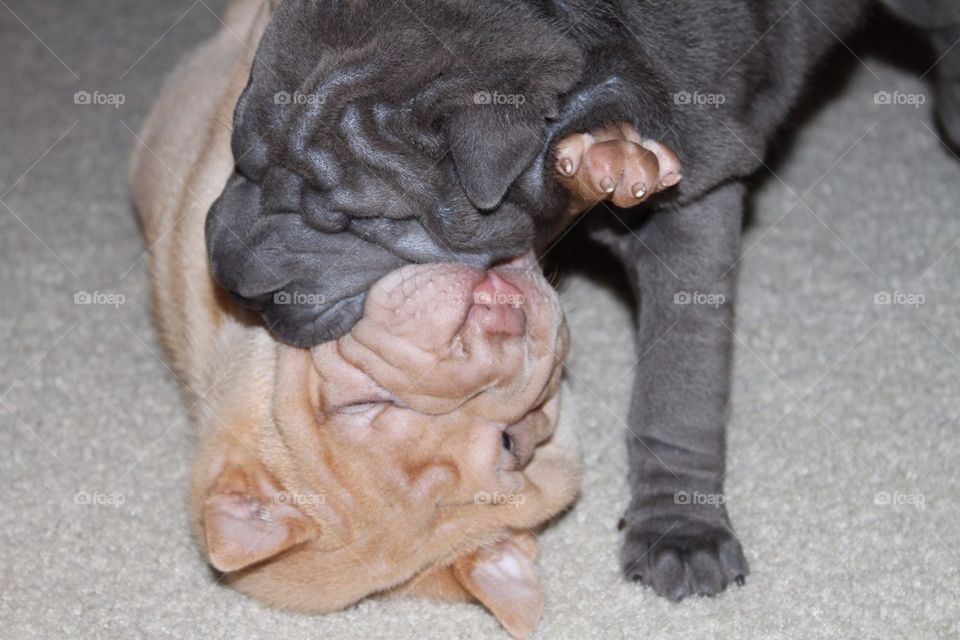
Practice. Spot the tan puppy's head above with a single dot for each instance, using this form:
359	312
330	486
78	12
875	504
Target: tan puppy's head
411	456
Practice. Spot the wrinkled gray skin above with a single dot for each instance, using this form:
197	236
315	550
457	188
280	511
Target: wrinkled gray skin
628	61
361	148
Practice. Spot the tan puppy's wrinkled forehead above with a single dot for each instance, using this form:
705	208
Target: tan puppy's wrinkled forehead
412	456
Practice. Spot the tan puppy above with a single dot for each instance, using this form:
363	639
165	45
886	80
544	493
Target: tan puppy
411	456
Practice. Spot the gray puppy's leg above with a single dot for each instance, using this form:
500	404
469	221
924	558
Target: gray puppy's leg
940	22
946	43
678	537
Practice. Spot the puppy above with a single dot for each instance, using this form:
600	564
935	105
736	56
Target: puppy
464	112
660	69
412	455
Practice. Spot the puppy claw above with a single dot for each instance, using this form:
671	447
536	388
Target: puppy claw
614	164
670	180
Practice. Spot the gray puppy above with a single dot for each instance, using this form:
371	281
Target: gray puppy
361	147
364	143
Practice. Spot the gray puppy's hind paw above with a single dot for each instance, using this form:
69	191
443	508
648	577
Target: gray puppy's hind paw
683	559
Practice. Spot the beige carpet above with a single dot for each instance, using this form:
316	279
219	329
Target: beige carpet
844	411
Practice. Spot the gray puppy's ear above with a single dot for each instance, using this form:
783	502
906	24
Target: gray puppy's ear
491	145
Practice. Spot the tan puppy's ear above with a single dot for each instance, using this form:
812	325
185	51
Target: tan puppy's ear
246	518
505	579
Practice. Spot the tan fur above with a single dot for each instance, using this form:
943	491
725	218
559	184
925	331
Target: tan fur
306	505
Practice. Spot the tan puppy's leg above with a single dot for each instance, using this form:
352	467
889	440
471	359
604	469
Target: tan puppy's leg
614	164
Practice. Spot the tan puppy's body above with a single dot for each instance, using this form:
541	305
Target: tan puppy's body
413	455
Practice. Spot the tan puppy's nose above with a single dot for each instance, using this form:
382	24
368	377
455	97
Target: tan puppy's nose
496	307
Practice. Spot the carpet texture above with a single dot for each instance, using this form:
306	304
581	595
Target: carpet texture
843	433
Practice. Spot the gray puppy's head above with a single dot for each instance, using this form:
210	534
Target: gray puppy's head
370	137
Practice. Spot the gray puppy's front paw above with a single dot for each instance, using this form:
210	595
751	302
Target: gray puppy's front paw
682	555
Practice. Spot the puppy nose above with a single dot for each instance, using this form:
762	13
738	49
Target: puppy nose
496	306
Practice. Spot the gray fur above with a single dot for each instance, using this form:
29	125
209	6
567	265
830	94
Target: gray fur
303	210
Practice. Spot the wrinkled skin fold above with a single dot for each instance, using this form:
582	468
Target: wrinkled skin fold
362	147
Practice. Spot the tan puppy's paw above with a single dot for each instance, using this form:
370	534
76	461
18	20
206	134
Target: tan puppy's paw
614	164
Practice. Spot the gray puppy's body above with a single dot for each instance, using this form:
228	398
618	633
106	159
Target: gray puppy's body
401	167
756	56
